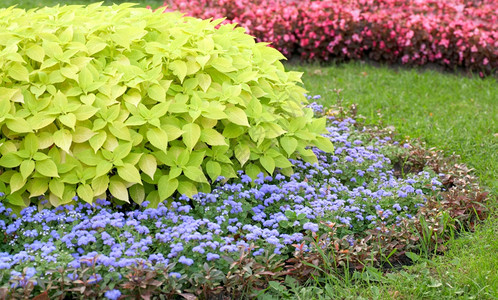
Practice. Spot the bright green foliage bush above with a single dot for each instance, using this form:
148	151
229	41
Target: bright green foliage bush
140	104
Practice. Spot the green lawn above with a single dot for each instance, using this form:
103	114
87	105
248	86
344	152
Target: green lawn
453	113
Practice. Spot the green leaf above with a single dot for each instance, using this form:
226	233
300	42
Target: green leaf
204	81
103	168
213	137
158	138
69	120
85	112
187	188
118	190
166	187
100	184
268	163
148	164
289	144
16	182
195	174
27	167
19	125
232	130
273	130
237	116
157	92
18	72
242	152
82	134
10	160
16	199
56	186
31	143
213	169
85	192
137	193
191	135
36	52
324	144
179	68
129	173
98	140
37	187
63	139
46	168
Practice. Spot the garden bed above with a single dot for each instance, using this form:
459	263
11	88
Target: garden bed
368	204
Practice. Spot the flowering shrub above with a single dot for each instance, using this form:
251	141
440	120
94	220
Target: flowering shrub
353	202
451	33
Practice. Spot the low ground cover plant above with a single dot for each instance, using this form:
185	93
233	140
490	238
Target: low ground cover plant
450	33
367	204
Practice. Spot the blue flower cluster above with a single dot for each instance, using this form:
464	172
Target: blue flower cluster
354	187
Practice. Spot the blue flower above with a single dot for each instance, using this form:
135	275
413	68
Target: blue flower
186	261
112	294
311	226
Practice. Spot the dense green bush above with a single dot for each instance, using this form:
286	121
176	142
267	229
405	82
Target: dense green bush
140	104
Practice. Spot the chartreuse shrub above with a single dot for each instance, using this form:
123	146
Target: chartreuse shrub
140	104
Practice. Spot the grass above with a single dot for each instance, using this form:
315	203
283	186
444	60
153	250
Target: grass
450	112
453	113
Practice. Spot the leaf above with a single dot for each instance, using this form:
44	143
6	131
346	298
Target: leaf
195	174
187	188
289	144
324	144
242	152
118	190
10	160
56	186
19	125
36	52
85	192
148	164
273	130
100	184
166	187
213	137
68	119
204	81
63	139
16	182
158	138
237	116
46	168
82	134
137	193
179	68
191	135
129	173
16	199
27	167
213	169
268	163
98	140
18	72
157	92
103	168
85	112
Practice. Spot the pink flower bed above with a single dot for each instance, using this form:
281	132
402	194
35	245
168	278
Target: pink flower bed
452	33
